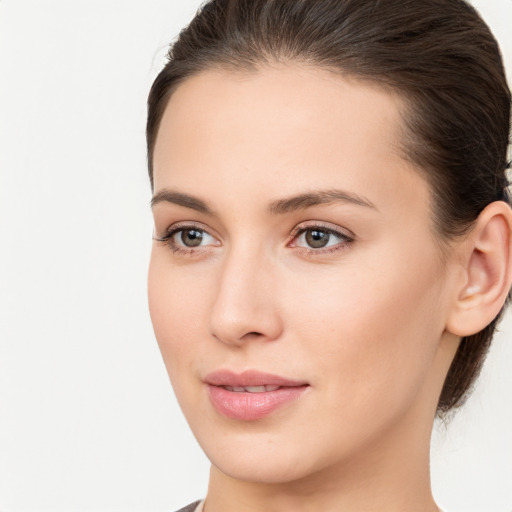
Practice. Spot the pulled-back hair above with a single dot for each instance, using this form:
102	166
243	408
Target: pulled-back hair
437	55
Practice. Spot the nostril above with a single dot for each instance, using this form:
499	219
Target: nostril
252	334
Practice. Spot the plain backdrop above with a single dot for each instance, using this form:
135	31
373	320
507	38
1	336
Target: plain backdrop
88	421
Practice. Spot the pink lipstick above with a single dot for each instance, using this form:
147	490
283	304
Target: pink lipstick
251	395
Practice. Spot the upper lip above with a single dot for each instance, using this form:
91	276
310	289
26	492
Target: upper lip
249	378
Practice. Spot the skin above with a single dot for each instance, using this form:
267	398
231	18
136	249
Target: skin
363	322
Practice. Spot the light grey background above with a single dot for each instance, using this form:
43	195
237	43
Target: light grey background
88	421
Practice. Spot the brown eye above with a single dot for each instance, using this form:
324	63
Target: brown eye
316	238
191	237
187	239
319	237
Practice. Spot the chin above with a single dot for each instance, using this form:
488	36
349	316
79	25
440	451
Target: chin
261	457
267	470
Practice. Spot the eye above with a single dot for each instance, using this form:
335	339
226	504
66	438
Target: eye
186	239
316	238
191	237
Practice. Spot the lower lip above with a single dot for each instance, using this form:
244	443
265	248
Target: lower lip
252	406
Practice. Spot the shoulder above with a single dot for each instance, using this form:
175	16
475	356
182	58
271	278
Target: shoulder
191	508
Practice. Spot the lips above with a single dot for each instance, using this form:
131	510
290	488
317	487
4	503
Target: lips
251	395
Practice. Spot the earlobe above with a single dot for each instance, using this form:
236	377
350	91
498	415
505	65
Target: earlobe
488	270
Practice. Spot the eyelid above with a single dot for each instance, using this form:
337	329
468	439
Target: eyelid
330	228
183	225
175	228
346	237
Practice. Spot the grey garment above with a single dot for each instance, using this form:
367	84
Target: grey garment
189	508
192	507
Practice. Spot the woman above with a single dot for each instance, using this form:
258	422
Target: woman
332	246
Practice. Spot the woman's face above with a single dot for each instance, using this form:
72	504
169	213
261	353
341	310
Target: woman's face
296	289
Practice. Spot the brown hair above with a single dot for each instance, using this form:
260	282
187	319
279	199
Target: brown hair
437	54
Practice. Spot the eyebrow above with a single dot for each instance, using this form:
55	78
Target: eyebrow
278	207
180	199
315	198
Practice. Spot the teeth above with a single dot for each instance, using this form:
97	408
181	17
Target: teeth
255	389
251	389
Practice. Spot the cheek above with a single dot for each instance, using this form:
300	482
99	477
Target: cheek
175	306
372	325
175	302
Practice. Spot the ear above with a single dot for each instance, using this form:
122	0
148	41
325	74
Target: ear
487	269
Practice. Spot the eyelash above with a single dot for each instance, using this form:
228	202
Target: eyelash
167	239
345	239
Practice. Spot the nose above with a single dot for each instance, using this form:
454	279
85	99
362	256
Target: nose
245	305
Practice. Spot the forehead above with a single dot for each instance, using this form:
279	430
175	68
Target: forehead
282	126
288	99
